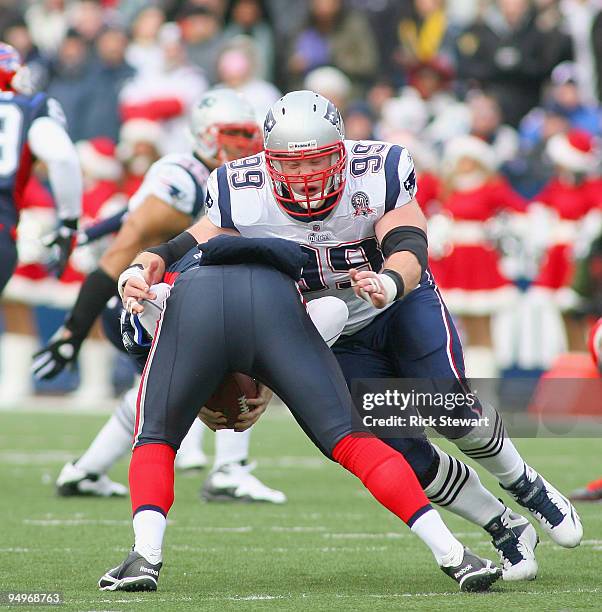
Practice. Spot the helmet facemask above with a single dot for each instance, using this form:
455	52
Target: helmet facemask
237	140
308	194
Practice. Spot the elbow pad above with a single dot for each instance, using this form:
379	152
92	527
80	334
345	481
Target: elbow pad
407	238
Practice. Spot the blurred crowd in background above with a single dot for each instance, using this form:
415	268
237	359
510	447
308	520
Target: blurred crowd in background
497	100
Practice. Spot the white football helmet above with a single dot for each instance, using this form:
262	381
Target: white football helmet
222	119
303	125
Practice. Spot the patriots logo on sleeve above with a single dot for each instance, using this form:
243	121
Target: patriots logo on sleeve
410	183
175	192
208	200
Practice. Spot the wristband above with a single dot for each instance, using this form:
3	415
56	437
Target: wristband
382	283
398	280
133	271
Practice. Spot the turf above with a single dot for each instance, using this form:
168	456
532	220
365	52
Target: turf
331	547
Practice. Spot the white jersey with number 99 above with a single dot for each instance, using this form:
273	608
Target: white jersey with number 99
379	178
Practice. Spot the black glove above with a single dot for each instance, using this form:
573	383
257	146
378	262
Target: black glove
60	242
136	340
56	355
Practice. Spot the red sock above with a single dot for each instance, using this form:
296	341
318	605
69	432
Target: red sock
152	478
385	473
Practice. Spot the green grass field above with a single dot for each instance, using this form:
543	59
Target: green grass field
331	547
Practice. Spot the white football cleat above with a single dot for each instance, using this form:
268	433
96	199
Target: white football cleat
515	539
234	482
553	511
73	481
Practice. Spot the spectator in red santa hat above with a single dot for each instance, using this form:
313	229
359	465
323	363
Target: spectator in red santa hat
168	96
140	146
466	265
101	171
569	196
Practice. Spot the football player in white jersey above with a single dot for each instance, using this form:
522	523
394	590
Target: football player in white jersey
170	198
352	207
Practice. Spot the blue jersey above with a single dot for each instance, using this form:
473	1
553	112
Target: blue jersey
17	113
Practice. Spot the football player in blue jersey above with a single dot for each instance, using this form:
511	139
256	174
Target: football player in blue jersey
352	207
32	127
258	326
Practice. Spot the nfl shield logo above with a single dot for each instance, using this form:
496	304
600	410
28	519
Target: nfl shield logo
361	204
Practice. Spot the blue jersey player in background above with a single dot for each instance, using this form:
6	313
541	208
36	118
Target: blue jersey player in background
32	127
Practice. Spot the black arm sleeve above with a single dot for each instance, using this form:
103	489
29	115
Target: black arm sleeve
95	292
175	249
407	238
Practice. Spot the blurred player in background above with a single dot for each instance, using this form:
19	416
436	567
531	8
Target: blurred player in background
169	199
32	128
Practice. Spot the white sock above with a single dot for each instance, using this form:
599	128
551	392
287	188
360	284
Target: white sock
15	363
231	446
457	488
95	363
507	466
112	442
490	447
431	529
193	441
149	529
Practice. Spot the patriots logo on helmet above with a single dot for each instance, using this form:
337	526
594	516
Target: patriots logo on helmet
410	183
269	123
333	115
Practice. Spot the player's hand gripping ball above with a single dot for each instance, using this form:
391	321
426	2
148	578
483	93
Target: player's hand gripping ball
230	399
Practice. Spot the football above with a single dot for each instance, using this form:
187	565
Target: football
230	398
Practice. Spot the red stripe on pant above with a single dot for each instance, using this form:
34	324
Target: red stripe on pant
152	478
385	473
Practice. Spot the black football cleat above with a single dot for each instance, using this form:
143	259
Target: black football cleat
473	574
134	574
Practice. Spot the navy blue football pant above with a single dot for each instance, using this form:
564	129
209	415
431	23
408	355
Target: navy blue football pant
248	319
413	338
8	254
